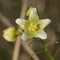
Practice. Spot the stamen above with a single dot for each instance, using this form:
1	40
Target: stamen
32	27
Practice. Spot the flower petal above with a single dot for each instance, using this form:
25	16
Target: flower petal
33	15
42	35
44	23
20	22
29	11
25	37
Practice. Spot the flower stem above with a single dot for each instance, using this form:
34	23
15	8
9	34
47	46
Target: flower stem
47	50
49	53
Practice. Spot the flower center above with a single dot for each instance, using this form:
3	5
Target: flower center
33	27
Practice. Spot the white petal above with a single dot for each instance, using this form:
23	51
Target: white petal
25	37
20	22
44	23
33	14
42	35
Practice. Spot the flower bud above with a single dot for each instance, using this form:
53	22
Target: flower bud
10	34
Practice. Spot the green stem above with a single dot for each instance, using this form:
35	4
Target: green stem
58	50
49	53
45	47
47	50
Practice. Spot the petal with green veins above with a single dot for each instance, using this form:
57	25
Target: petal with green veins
25	37
42	35
44	23
33	15
20	22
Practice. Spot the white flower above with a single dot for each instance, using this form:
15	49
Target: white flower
33	27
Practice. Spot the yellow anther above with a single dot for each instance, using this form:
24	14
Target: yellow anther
32	27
